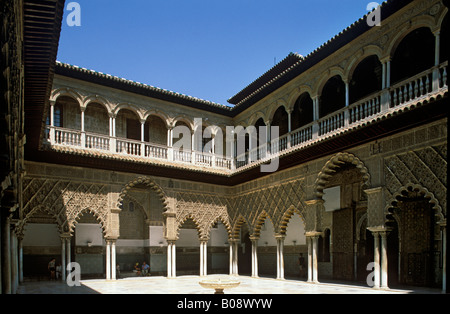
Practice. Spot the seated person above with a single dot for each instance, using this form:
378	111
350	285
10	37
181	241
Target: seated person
137	270
145	269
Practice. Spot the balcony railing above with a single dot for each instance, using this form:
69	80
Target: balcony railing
379	104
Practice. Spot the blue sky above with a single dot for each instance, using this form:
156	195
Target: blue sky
210	49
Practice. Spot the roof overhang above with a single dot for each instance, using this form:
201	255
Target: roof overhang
42	28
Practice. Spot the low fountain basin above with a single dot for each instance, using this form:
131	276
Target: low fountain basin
219	285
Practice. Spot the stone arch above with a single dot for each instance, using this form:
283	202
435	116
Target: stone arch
97	100
20	227
68	93
224	221
201	233
163	116
411	187
130	107
145	181
259	222
184	119
74	221
413	24
333	71
274	107
296	94
255	117
367	51
330	168
282	226
237	227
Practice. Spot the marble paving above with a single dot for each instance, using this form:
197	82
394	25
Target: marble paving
190	285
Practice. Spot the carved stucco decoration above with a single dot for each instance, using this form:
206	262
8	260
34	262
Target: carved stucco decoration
422	170
333	165
65	201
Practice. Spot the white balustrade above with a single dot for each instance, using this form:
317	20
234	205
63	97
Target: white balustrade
378	104
94	141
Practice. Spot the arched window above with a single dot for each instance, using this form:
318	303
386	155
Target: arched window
444	40
332	97
303	112
366	79
280	119
414	54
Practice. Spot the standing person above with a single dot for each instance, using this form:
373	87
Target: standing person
58	271
301	264
52	268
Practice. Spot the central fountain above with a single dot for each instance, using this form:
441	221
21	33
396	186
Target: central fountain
219	285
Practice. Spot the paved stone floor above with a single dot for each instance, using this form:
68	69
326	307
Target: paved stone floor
190	285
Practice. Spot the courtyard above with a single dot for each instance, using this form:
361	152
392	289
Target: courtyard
190	285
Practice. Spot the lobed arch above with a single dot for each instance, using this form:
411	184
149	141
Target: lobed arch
74	221
149	182
20	227
423	191
259	222
286	218
237	227
224	221
201	233
334	163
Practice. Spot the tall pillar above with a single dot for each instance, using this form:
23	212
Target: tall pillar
63	259
169	259
280	256
444	259
376	257
310	259
203	258
113	260
315	274
174	260
384	260
6	255
108	260
235	258
20	244
14	263
230	242
254	257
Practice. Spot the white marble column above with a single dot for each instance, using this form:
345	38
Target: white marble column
108	260
310	259
113	260
203	258
280	257
444	259
171	259
376	258
315	275
384	261
63	259
254	257
20	244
